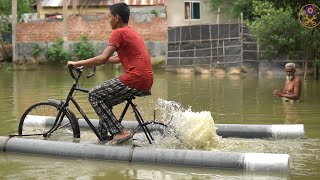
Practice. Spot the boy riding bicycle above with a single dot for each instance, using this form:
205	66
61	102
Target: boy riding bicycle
137	79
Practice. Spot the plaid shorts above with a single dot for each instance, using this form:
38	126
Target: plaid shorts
106	95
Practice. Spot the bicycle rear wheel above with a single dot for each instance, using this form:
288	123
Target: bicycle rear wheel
41	120
156	129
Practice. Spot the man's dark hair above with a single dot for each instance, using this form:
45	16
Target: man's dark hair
122	9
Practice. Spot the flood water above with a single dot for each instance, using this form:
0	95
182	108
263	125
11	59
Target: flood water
231	99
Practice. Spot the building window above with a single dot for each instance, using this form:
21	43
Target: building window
191	10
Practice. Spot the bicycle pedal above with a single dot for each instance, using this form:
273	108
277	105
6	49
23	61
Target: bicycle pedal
107	138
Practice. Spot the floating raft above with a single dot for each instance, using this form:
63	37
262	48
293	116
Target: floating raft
249	162
281	131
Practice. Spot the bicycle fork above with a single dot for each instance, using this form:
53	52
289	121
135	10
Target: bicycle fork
58	120
141	122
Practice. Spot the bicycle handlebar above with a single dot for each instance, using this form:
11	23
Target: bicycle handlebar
93	72
79	71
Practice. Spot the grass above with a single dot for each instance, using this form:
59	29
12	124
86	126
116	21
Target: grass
5	67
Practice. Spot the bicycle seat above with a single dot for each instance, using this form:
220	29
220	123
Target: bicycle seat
146	93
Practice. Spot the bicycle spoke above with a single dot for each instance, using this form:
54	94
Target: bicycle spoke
40	119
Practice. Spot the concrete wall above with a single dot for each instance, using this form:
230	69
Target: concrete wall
137	12
175	14
58	10
157	50
146	14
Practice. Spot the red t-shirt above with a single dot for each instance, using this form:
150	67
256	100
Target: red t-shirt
134	58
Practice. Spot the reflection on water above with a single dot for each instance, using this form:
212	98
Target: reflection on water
229	99
287	111
6	101
291	113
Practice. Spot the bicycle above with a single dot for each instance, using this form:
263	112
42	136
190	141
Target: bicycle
53	115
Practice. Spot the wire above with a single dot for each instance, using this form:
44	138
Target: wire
79	84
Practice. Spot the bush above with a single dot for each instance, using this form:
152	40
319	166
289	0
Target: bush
155	12
83	49
36	50
6	52
56	53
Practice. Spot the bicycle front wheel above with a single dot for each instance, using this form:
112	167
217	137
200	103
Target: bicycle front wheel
41	120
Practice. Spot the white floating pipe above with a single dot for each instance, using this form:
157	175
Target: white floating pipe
280	131
249	162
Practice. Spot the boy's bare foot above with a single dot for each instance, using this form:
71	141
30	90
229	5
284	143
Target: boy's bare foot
124	133
123	136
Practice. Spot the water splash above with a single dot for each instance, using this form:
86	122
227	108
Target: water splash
187	129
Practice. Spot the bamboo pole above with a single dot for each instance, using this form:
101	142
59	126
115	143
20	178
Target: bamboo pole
210	32
218	16
241	38
14	30
180	47
65	25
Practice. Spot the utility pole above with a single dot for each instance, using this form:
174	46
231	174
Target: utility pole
65	25
14	30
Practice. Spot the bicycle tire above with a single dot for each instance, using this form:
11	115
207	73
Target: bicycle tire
39	119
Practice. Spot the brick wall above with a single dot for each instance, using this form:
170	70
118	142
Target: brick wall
154	34
156	30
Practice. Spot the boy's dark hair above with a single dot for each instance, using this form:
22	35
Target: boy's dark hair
122	9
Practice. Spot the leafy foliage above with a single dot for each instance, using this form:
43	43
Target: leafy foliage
234	7
36	50
56	53
155	12
83	49
23	6
280	33
6	67
294	6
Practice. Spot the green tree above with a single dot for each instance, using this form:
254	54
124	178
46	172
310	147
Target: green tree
293	6
276	31
279	32
23	6
234	7
5	12
276	26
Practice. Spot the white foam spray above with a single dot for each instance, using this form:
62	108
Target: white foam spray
187	129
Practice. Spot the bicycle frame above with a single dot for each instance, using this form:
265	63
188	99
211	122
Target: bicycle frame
64	110
65	104
129	103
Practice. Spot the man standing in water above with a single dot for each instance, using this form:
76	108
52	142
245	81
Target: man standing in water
136	80
292	88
